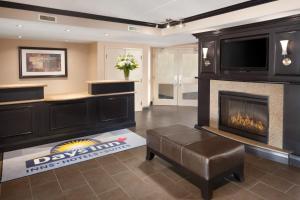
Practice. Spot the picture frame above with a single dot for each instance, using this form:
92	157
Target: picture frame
42	62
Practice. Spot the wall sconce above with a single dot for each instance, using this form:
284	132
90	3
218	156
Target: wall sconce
286	60
206	61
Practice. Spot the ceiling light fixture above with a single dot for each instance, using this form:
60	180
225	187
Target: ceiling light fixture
20	36
168	21
67	30
19	26
181	24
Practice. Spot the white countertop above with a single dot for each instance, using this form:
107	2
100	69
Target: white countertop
10	86
109	81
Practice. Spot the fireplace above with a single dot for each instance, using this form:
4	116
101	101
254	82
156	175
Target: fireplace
245	115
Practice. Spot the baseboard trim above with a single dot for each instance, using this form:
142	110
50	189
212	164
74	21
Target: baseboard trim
267	154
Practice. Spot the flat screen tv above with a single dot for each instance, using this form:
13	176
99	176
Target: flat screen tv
245	54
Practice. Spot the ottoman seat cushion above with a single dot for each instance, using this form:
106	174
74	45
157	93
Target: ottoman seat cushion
178	134
212	157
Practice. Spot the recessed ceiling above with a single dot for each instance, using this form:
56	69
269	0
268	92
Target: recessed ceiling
155	11
58	32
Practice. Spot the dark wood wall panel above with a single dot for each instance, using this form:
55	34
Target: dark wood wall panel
24	125
16	121
68	114
287	28
291	118
111	88
19	94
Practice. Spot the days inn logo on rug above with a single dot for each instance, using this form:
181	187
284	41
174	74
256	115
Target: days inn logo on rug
74	151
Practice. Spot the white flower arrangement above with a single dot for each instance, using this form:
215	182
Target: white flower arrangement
126	63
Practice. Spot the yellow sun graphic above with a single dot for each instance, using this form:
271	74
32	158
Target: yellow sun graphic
74	144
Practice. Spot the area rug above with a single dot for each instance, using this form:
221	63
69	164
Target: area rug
46	157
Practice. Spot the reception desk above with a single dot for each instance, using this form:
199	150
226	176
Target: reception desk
28	117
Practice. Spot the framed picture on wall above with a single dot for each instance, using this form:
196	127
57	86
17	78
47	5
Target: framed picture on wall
38	62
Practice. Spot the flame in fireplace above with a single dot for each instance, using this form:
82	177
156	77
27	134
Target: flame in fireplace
247	122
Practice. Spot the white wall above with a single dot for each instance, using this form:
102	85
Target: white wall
99	67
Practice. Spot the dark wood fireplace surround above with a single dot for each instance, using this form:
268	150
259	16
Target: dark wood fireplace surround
287	28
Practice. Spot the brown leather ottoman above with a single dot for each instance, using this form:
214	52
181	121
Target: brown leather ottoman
205	156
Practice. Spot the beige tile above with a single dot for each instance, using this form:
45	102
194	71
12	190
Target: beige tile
16	189
268	192
266	165
72	181
115	194
158	179
89	164
124	155
115	168
176	190
50	190
141	168
247	183
103	184
245	195
133	185
290	174
226	191
252	171
172	174
80	193
107	160
41	178
276	182
94	173
294	192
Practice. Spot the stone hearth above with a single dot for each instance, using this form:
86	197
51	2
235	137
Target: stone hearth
273	91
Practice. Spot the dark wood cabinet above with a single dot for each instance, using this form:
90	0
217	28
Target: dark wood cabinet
115	109
293	52
19	122
66	117
207	57
287	28
38	123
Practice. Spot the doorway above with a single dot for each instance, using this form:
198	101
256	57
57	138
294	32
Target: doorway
174	80
112	73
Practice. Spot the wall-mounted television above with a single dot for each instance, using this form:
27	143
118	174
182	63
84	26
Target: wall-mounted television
245	54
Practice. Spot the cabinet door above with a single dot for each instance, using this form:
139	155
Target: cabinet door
207	49
18	122
115	109
67	117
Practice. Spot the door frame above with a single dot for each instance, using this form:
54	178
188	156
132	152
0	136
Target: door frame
125	49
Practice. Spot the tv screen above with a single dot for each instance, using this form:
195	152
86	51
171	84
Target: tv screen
245	54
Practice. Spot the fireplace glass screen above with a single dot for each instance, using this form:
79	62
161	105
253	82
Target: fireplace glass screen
245	115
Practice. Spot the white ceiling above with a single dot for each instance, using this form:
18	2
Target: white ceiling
56	32
85	30
155	11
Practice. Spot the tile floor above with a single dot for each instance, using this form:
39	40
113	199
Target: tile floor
126	175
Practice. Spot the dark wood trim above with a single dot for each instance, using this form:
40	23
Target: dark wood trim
43	48
289	20
20	6
221	11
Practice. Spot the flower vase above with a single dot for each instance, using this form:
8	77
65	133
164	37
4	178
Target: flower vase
126	74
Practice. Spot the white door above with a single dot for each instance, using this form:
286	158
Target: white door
188	85
175	73
165	79
111	73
